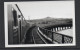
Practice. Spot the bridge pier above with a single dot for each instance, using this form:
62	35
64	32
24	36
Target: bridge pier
56	28
69	27
61	28
53	29
66	27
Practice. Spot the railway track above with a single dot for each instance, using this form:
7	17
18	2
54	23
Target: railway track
37	38
34	37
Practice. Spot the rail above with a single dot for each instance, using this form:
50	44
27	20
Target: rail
37	38
55	37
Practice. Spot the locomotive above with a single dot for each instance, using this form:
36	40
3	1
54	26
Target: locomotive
17	25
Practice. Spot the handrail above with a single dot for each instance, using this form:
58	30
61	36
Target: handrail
44	35
56	32
63	38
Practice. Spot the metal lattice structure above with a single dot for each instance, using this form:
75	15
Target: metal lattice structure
57	37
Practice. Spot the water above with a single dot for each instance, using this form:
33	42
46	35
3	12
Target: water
68	32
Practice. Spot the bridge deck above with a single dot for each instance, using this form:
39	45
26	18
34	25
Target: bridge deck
37	36
33	37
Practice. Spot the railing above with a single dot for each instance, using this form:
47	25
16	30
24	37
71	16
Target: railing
57	37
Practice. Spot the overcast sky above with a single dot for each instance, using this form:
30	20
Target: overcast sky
43	9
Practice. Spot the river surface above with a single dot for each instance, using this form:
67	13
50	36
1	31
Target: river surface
68	32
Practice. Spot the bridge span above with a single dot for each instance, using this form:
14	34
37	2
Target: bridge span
38	35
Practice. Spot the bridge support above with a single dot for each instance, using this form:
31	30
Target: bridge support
58	28
53	29
66	27
52	37
62	38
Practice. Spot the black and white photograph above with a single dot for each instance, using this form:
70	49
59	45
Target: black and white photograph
39	23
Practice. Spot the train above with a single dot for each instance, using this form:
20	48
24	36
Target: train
17	25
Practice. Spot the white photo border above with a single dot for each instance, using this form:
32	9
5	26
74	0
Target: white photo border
33	45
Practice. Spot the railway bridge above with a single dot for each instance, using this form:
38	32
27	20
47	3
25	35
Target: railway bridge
21	31
48	35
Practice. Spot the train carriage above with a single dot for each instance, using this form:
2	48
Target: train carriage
17	25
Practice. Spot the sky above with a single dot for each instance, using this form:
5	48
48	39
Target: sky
43	9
